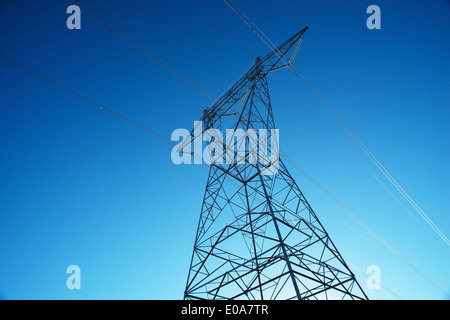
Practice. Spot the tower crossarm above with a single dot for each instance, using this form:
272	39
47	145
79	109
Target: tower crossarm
230	102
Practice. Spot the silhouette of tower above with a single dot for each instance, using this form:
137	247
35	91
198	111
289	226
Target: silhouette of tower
257	236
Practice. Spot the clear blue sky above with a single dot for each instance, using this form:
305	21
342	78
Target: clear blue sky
80	187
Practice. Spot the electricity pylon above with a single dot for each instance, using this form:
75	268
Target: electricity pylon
258	237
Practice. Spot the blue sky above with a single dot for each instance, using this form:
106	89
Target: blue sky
80	187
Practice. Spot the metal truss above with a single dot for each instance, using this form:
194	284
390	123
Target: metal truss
258	237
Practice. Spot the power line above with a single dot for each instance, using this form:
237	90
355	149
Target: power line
128	39
131	41
362	224
163	139
108	111
273	48
253	48
86	100
199	88
334	114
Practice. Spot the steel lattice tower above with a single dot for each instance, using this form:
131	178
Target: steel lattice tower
258	237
